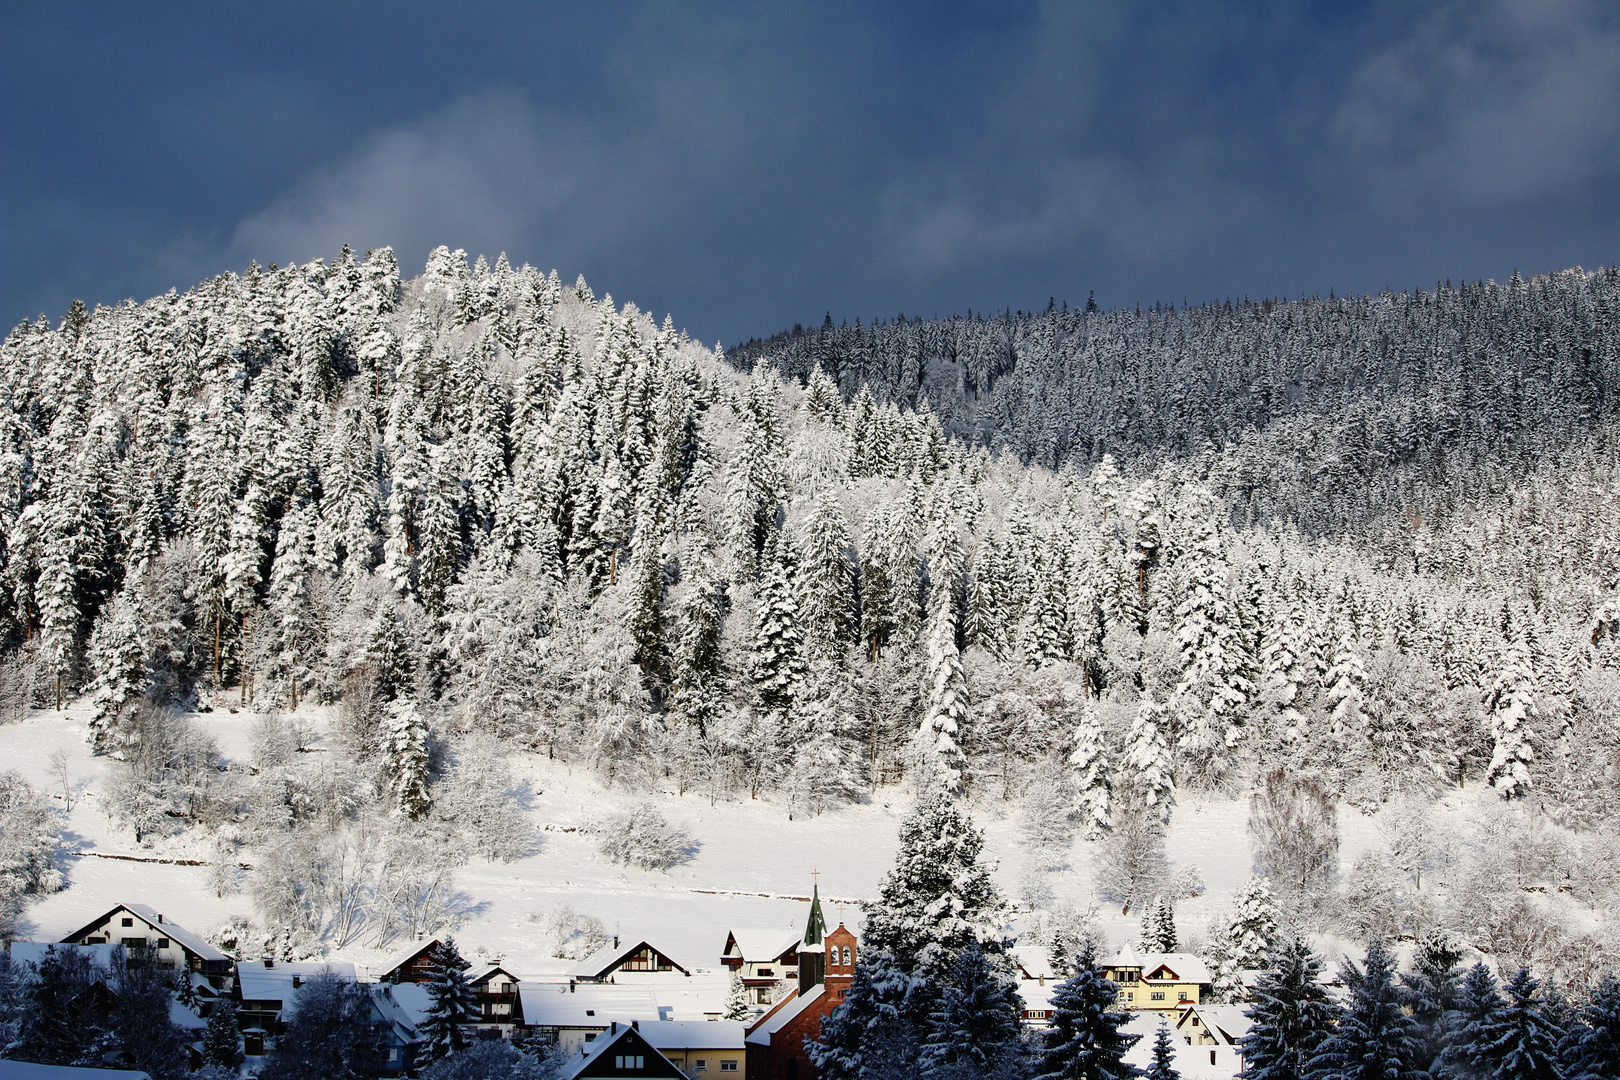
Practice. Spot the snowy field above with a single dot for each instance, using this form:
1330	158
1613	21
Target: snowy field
753	866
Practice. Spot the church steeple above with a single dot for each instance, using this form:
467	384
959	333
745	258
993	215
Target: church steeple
815	931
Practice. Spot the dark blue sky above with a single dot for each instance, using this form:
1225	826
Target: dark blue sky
749	166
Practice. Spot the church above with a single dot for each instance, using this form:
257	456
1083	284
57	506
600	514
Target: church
775	1042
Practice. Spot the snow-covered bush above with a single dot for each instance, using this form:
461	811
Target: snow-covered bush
1046	822
573	936
30	846
1186	883
480	799
642	836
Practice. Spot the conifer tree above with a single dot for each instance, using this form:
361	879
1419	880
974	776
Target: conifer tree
1513	706
943	725
1591	1048
1163	1064
778	639
975	1030
405	742
937	895
1083	1040
1093	775
1375	1038
222	1041
1478	1008
872	1034
1147	761
452	1003
737	1006
1519	1042
1431	992
118	658
1217	671
1291	1016
1159	928
825	581
1246	941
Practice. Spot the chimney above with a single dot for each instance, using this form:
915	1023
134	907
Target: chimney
269	962
160	918
615	1027
570	986
615	941
636	1024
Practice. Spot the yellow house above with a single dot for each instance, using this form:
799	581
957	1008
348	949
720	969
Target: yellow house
1162	982
700	1048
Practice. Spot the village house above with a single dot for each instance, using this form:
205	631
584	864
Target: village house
137	926
763	959
622	1051
574	1014
701	1048
610	960
1162	982
412	964
825	969
1036	982
499	1006
1215	1030
270	987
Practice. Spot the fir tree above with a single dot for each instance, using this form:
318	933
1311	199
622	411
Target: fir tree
1291	1016
1478	1007
1246	941
942	727
1513	706
1147	761
453	1005
975	1031
1083	1040
778	640
1163	1065
1375	1038
222	1041
1431	992
1093	780
1591	1049
737	1006
118	657
1517	1041
405	742
873	1033
825	579
938	895
1159	928
1217	668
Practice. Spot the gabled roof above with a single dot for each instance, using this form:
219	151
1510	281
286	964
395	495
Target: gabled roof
602	962
1033	963
696	1034
1182	967
1225	1022
154	919
586	1005
591	1052
256	982
28	1070
483	972
758	946
32	952
400	1024
403	957
779	1017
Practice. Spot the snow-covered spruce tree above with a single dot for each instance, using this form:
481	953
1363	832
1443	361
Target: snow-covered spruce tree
1478	1006
1244	941
1148	763
222	1041
1159	928
1291	1015
778	639
1591	1047
873	1033
1083	1041
937	896
1217	682
1163	1064
1093	775
1431	990
405	743
1512	703
696	654
118	658
1344	692
452	1004
1375	1038
737	1006
825	579
1518	1040
975	1029
943	724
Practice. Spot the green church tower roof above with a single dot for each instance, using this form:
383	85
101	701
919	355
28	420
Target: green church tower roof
815	931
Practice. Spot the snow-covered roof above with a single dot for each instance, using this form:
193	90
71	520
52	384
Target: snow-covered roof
32	952
1035	995
775	1020
610	956
1185	966
403	956
593	1050
28	1070
696	1034
1225	1022
1192	1062
386	998
1033	962
757	946
154	919
257	982
586	1005
412	999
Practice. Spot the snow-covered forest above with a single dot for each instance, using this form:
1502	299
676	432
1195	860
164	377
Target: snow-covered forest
1362	550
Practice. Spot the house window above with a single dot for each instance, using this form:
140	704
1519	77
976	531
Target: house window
629	1061
701	1065
728	1066
763	994
163	943
767	973
1158	995
846	956
127	922
1129	996
1183	995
